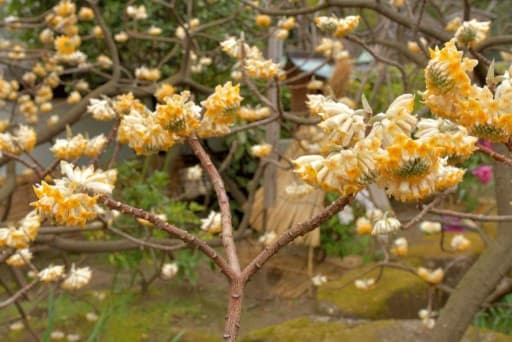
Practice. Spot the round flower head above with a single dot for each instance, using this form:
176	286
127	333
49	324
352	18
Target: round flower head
178	114
261	150
169	270
144	133
453	24
66	45
77	278
69	148
121	37
386	225
327	24
194	173
319	280
447	69
137	13
148	74
20	258
51	273
57	335
262	69
286	23
95	145
213	223
101	109
126	103
209	128
460	243
431	276
472	32
223	105
66	202
346	25
16	326
400	247
263	20
363	226
364	284
331	48
430	227
91	316
268	238
22	139
253	114
164	90
86	14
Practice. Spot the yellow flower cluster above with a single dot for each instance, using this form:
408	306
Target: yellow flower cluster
164	90
21	235
254	63
67	45
451	95
413	169
68	201
346	171
452	139
148	132
78	146
21	139
283	28
178	114
143	133
472	32
63	17
253	114
148	74
233	48
263	69
223	105
124	104
20	258
337	27
359	150
331	48
101	109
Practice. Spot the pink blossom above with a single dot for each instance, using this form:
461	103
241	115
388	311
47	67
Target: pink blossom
485	143
483	173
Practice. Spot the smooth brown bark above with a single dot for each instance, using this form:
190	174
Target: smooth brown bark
483	277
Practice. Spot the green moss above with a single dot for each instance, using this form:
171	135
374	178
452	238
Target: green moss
123	317
429	247
307	329
301	329
398	294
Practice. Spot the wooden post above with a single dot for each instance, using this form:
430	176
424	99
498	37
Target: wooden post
275	48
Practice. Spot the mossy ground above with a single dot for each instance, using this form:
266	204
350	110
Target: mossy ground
397	294
308	329
127	316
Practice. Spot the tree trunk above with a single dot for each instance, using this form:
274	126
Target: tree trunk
483	277
236	295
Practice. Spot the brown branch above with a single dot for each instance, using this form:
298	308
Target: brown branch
475	217
222	198
18	294
173	230
292	234
494	155
28	164
424	210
